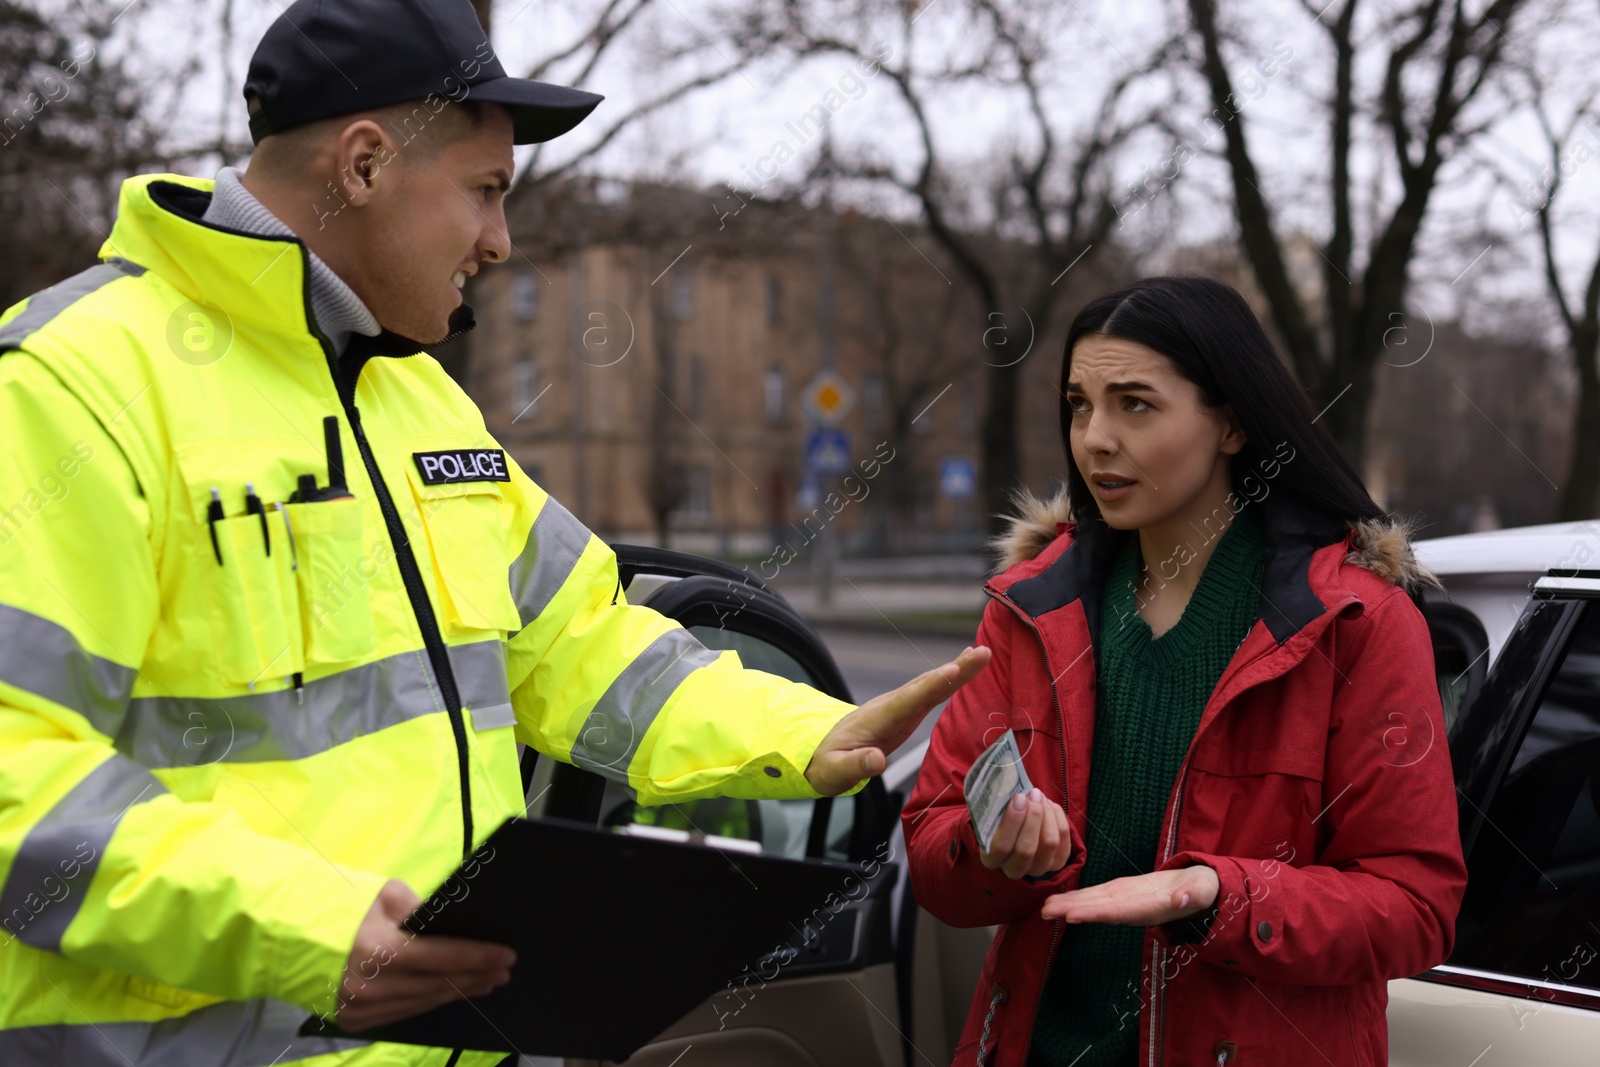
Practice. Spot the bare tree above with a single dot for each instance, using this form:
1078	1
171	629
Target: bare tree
1013	234
71	129
1437	59
1048	193
619	26
666	479
914	353
1569	141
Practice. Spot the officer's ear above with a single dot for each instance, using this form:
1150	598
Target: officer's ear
363	154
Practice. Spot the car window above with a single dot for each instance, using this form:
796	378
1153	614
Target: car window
1532	907
754	652
782	827
1460	657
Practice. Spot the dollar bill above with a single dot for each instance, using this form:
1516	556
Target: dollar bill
994	779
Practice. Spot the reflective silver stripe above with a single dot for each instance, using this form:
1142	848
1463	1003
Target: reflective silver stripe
251	1033
49	303
259	727
51	873
43	658
554	545
493	716
616	727
480	671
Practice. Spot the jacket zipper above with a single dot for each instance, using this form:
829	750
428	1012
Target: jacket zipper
1158	984
1158	1017
1056	926
411	576
1157	987
422	608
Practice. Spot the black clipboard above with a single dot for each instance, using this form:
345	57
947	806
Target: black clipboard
617	936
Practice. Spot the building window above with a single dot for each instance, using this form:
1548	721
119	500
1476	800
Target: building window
967	412
524	390
682	295
695	503
872	402
922	422
692	382
772	392
774	300
524	295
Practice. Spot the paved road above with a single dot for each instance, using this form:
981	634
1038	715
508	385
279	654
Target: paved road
876	661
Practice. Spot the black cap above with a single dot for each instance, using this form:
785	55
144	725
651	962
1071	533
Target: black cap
323	58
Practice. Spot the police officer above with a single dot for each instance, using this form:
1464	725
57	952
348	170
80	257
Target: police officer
275	609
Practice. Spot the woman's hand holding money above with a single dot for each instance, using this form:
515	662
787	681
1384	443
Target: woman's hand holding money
1033	838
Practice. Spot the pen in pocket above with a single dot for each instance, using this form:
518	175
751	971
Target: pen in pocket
253	506
214	516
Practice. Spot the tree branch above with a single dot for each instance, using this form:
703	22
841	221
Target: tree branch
1254	215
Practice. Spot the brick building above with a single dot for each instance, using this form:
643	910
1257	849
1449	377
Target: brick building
644	353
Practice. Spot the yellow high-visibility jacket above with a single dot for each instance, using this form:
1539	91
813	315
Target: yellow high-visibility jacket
220	737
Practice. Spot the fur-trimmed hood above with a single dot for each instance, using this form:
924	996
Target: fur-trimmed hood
1382	546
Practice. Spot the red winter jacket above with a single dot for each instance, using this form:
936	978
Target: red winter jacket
1318	786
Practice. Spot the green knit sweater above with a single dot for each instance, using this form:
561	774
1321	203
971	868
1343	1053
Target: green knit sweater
1150	694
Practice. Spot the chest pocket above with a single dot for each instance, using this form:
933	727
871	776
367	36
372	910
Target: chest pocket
1237	762
282	590
254	613
334	564
466	523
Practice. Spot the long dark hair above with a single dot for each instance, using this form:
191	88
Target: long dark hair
1213	339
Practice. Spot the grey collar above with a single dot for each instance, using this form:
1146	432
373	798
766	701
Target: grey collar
339	311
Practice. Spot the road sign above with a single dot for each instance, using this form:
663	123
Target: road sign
828	399
827	452
810	494
958	477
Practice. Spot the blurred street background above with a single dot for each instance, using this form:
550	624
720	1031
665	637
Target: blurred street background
794	295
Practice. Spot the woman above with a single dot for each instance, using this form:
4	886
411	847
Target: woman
1220	687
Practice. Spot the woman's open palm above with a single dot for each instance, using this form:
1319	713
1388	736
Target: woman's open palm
1140	899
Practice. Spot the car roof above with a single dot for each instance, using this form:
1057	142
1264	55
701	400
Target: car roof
1518	550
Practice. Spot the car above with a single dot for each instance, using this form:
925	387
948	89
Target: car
879	982
845	991
1517	649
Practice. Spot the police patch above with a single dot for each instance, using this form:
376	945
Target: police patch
462	465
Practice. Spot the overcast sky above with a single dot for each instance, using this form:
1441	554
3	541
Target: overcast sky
728	133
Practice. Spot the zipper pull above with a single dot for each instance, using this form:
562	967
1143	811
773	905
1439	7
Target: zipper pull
299	688
1227	1052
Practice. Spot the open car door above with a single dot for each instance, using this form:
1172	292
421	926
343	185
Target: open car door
830	997
1522	985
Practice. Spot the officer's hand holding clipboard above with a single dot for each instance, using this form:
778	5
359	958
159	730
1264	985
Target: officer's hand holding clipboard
392	974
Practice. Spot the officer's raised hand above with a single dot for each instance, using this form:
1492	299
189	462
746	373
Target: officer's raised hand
859	744
392	975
